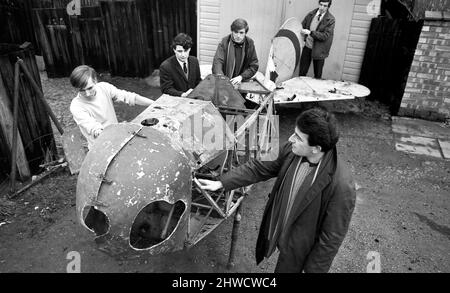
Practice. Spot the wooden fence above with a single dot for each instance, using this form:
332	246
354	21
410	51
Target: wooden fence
164	20
68	41
388	57
13	25
60	3
125	37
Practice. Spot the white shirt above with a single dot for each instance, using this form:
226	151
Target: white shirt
98	112
181	64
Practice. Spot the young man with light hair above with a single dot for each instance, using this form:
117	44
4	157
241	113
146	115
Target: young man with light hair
92	108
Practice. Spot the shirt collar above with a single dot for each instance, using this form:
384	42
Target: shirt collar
317	14
181	63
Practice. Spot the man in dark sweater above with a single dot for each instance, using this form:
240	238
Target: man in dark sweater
180	74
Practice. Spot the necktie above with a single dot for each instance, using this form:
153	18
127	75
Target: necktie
318	18
185	68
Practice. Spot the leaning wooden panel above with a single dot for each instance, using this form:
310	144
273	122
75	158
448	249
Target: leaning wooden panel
6	125
34	124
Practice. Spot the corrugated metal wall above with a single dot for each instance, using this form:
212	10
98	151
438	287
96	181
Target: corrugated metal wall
363	12
208	28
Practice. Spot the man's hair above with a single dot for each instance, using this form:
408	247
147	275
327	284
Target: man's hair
239	24
81	74
326	1
320	126
182	40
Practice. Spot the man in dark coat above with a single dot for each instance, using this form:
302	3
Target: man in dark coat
236	55
309	209
180	74
318	30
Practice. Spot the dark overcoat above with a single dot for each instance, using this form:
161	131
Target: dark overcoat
317	224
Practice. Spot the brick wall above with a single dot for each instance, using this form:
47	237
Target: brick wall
427	92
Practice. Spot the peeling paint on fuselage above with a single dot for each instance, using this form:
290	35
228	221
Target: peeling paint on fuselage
154	166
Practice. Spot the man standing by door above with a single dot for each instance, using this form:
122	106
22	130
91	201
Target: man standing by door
318	31
180	74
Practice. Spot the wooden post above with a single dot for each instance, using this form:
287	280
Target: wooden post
40	95
77	43
15	122
6	120
234	237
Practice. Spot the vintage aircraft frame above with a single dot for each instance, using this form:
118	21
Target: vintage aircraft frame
165	222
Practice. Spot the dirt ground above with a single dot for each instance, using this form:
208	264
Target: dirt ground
401	211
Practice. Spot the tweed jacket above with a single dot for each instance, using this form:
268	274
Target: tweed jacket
323	35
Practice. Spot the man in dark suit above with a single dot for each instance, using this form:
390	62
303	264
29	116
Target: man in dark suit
310	206
180	74
318	31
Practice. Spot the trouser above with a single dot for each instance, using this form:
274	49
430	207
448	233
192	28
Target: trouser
305	62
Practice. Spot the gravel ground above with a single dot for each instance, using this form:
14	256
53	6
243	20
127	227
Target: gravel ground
401	211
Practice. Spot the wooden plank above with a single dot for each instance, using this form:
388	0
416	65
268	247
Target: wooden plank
210	35
40	94
43	40
214	22
358	38
361	23
208	15
6	119
15	128
359	31
76	40
155	38
208	28
355	51
352	65
210	9
352	71
354	58
350	77
357	45
362	16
